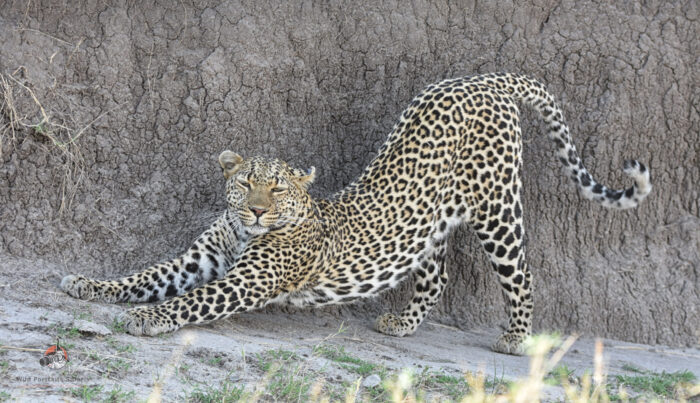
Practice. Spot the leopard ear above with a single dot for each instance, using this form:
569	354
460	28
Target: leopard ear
304	179
230	163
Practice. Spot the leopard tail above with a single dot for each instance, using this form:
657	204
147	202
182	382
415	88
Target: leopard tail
533	93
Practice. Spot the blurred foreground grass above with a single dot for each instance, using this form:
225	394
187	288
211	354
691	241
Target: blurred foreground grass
289	378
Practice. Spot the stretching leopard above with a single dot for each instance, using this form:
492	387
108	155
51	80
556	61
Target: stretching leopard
453	157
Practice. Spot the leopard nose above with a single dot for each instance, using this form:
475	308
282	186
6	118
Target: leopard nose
257	211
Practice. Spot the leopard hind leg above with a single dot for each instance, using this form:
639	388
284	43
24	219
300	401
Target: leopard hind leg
500	229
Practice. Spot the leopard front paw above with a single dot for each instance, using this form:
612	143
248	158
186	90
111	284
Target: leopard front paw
146	322
392	325
79	287
509	343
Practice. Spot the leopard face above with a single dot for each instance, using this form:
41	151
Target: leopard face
265	194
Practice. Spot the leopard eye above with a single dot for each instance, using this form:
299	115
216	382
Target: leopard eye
244	185
279	190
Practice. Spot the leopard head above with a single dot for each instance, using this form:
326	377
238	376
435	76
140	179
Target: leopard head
265	194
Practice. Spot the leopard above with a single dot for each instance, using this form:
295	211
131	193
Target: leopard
453	158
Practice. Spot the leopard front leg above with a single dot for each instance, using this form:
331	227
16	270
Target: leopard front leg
429	280
209	257
87	289
237	292
149	321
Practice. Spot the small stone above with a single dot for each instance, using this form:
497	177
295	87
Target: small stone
371	381
191	103
86	327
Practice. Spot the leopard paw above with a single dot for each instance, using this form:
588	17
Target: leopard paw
146	322
392	325
79	287
509	343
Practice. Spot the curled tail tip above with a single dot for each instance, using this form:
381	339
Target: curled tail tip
641	175
634	167
621	199
639	172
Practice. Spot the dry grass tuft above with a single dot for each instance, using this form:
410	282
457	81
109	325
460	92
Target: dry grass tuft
10	120
24	114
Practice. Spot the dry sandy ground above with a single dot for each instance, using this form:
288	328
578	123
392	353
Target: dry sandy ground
33	311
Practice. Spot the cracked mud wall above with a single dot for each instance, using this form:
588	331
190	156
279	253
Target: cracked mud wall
117	168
